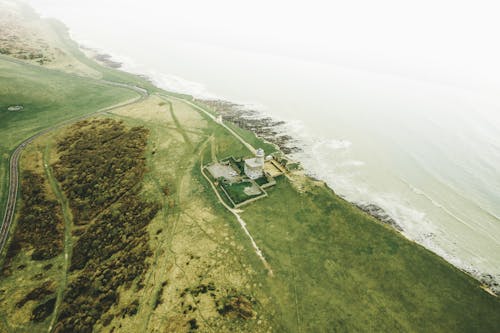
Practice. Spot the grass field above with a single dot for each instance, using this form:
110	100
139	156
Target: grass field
339	270
195	241
49	97
237	191
335	268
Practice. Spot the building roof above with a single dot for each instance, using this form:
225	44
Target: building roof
253	163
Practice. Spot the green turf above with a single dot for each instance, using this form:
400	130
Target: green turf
49	97
335	268
339	270
237	191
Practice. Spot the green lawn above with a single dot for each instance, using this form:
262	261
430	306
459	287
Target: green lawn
49	97
237	191
252	139
335	268
339	270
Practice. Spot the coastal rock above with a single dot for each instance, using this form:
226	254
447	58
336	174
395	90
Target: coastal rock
380	214
264	127
103	58
491	283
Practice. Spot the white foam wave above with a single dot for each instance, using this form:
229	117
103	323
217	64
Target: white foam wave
352	163
417	226
316	159
178	84
331	144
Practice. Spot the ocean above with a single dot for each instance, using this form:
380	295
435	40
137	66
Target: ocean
426	152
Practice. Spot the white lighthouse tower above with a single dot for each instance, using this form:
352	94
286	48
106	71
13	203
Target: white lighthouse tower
254	166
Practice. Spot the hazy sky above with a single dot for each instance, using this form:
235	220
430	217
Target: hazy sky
444	40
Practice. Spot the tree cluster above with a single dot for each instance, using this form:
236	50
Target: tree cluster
40	225
101	167
99	162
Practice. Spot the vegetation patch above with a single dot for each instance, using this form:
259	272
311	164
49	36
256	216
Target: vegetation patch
101	168
262	181
99	162
40	226
37	294
158	300
131	309
236	306
42	311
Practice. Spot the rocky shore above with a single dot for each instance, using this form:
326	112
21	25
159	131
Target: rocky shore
107	61
269	130
102	58
489	282
380	214
264	127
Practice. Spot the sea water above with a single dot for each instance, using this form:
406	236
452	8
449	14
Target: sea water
425	152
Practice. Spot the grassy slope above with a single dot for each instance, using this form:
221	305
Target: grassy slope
49	97
16	286
192	224
335	268
338	269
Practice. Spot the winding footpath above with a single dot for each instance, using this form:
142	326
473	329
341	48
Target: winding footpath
242	223
211	116
10	206
14	166
233	211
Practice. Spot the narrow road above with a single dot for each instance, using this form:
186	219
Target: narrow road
10	206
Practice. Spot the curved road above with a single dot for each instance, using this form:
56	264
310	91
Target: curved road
10	207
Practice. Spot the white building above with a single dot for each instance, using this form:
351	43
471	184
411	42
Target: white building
254	167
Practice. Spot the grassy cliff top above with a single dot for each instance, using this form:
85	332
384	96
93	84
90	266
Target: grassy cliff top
335	268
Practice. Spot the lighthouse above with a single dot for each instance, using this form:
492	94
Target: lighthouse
254	167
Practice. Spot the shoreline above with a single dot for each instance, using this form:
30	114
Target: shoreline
266	128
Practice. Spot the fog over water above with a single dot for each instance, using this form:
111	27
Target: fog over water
395	103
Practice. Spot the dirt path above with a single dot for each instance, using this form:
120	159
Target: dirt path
182	179
238	218
68	225
233	211
180	128
211	116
